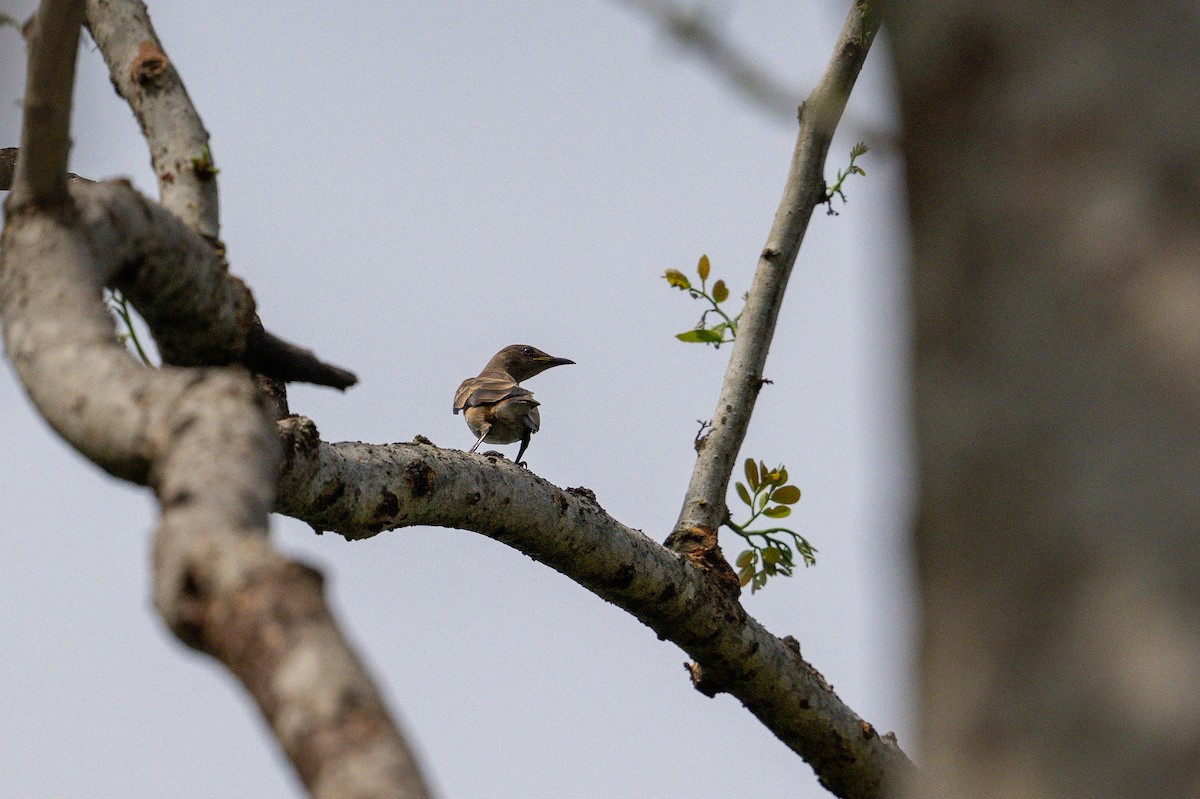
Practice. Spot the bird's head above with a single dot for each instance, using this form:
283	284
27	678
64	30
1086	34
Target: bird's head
521	362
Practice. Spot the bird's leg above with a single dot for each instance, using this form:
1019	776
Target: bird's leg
521	451
483	431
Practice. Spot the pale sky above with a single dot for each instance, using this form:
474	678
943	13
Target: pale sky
407	188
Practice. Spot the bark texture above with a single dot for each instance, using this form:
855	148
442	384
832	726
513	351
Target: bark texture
360	490
1054	185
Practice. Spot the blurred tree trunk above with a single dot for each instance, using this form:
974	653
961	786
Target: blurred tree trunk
1054	181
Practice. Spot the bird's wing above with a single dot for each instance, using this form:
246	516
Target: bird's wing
488	391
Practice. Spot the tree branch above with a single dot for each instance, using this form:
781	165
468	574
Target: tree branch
704	507
691	29
144	76
199	314
360	490
199	437
41	175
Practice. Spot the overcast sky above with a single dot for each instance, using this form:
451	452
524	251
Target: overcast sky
407	188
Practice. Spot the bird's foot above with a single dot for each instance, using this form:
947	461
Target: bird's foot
523	464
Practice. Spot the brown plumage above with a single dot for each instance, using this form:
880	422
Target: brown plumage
497	409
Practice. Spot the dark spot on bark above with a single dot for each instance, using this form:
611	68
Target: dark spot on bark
623	578
561	502
475	498
188	624
419	477
868	732
667	594
182	426
177	499
389	505
331	492
804	705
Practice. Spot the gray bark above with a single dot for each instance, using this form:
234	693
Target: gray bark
1054	184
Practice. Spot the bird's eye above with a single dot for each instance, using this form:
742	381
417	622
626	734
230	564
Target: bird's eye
528	351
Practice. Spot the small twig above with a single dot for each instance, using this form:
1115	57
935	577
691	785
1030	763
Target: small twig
120	307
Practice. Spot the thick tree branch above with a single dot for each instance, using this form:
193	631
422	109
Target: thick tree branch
360	490
704	507
199	437
145	77
199	313
45	137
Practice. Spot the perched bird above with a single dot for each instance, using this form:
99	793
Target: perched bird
497	409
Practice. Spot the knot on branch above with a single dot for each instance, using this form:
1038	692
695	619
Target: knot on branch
586	494
701	681
149	64
701	547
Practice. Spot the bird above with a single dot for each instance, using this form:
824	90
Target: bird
497	409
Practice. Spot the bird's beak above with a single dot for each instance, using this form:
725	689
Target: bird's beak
549	361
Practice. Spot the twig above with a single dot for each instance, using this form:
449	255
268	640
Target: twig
704	504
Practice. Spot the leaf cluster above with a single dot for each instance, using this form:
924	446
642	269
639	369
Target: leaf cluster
725	329
851	169
768	494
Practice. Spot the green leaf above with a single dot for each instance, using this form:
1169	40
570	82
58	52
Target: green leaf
782	474
752	474
743	493
677	279
770	555
699	336
720	291
746	558
702	269
746	577
777	511
763	471
774	478
788	495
